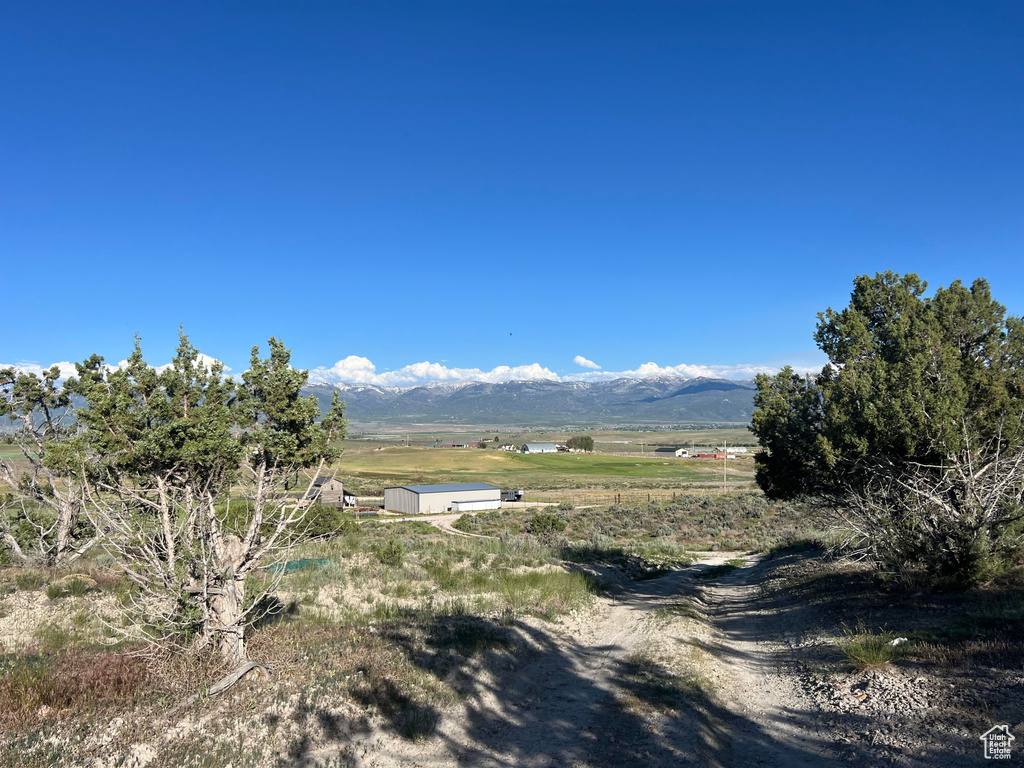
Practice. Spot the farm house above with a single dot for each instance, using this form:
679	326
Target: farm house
455	497
330	490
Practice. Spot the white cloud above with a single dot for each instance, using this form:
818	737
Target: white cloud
359	370
689	371
31	366
355	369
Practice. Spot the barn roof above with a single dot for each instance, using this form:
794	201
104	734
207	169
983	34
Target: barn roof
448	488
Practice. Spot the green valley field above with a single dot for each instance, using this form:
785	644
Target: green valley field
367	470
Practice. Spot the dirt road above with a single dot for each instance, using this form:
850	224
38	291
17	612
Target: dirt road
763	718
666	672
443	522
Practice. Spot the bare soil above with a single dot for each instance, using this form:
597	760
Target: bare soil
745	670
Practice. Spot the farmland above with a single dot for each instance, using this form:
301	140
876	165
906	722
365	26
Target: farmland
617	441
369	469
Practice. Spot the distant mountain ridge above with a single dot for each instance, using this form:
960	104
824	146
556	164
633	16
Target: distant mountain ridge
655	400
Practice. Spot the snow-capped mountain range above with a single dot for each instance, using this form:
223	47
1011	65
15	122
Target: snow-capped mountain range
654	400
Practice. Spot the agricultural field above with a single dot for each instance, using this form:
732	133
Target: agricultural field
8	451
626	441
367	470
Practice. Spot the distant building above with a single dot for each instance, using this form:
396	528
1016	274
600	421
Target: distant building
673	453
740	449
331	491
539	448
454	497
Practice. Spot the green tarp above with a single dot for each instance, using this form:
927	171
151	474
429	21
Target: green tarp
298	565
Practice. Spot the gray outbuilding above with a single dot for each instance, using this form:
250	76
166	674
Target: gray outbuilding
331	491
454	497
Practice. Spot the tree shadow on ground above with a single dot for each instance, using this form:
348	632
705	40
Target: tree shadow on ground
527	698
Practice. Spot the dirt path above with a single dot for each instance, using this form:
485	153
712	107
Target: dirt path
441	522
595	692
764	719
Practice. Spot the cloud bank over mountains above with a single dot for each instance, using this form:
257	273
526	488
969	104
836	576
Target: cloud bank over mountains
360	370
355	369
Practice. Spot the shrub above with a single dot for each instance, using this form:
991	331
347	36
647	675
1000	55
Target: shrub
28	580
544	523
322	521
391	552
865	649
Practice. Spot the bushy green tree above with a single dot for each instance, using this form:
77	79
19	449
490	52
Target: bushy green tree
580	443
171	452
914	430
545	524
787	421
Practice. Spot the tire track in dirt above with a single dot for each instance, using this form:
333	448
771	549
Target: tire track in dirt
764	719
561	703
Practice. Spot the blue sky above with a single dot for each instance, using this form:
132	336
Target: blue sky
416	191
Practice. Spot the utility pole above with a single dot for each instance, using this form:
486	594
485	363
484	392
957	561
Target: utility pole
725	466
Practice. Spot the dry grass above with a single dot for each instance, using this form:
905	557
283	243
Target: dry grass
70	682
743	521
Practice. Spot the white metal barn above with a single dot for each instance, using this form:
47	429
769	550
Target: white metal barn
455	497
678	453
540	448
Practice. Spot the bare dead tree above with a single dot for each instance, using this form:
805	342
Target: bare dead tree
949	518
49	493
190	553
186	476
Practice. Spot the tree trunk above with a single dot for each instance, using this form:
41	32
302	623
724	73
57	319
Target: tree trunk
62	546
228	624
226	604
